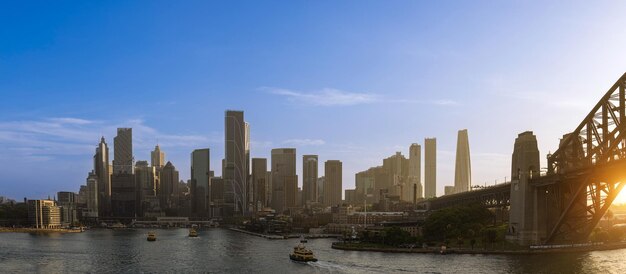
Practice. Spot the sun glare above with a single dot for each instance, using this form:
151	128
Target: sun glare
621	198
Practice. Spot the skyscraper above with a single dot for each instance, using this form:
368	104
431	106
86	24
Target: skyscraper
145	180
169	187
235	169
123	188
430	167
332	184
249	186
157	157
284	179
101	168
309	179
259	182
200	169
415	169
123	151
92	196
463	168
320	189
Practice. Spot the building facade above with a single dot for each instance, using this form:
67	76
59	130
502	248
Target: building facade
123	188
44	214
309	179
284	179
415	170
463	167
200	172
101	167
332	184
235	170
259	183
430	168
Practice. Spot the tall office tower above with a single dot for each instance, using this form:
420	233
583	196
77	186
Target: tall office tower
268	188
259	183
123	188
249	185
284	179
415	170
169	187
145	180
157	157
123	151
101	167
216	205
320	189
92	196
430	167
309	179
332	185
200	171
463	168
235	169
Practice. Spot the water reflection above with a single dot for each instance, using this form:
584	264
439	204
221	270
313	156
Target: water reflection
220	250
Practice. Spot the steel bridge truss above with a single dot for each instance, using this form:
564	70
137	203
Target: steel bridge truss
588	170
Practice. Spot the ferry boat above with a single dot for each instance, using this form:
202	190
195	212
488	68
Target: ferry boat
151	236
193	232
301	254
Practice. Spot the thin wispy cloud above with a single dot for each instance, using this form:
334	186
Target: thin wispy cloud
46	139
304	142
336	97
325	97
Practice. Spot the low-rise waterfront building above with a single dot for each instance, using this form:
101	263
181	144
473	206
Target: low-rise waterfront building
44	214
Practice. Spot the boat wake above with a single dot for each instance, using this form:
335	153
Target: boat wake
332	267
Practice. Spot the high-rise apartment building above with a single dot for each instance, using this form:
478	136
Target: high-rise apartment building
430	167
235	169
284	179
259	182
101	168
332	185
463	168
200	171
309	179
415	170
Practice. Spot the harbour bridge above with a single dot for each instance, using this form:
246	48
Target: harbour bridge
584	176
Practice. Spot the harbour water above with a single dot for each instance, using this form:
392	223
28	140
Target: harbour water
225	251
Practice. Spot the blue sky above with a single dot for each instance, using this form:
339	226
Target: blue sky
348	80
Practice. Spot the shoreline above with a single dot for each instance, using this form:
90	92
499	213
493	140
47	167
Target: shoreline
285	237
612	246
37	230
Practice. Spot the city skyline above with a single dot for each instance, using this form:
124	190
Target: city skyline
66	86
